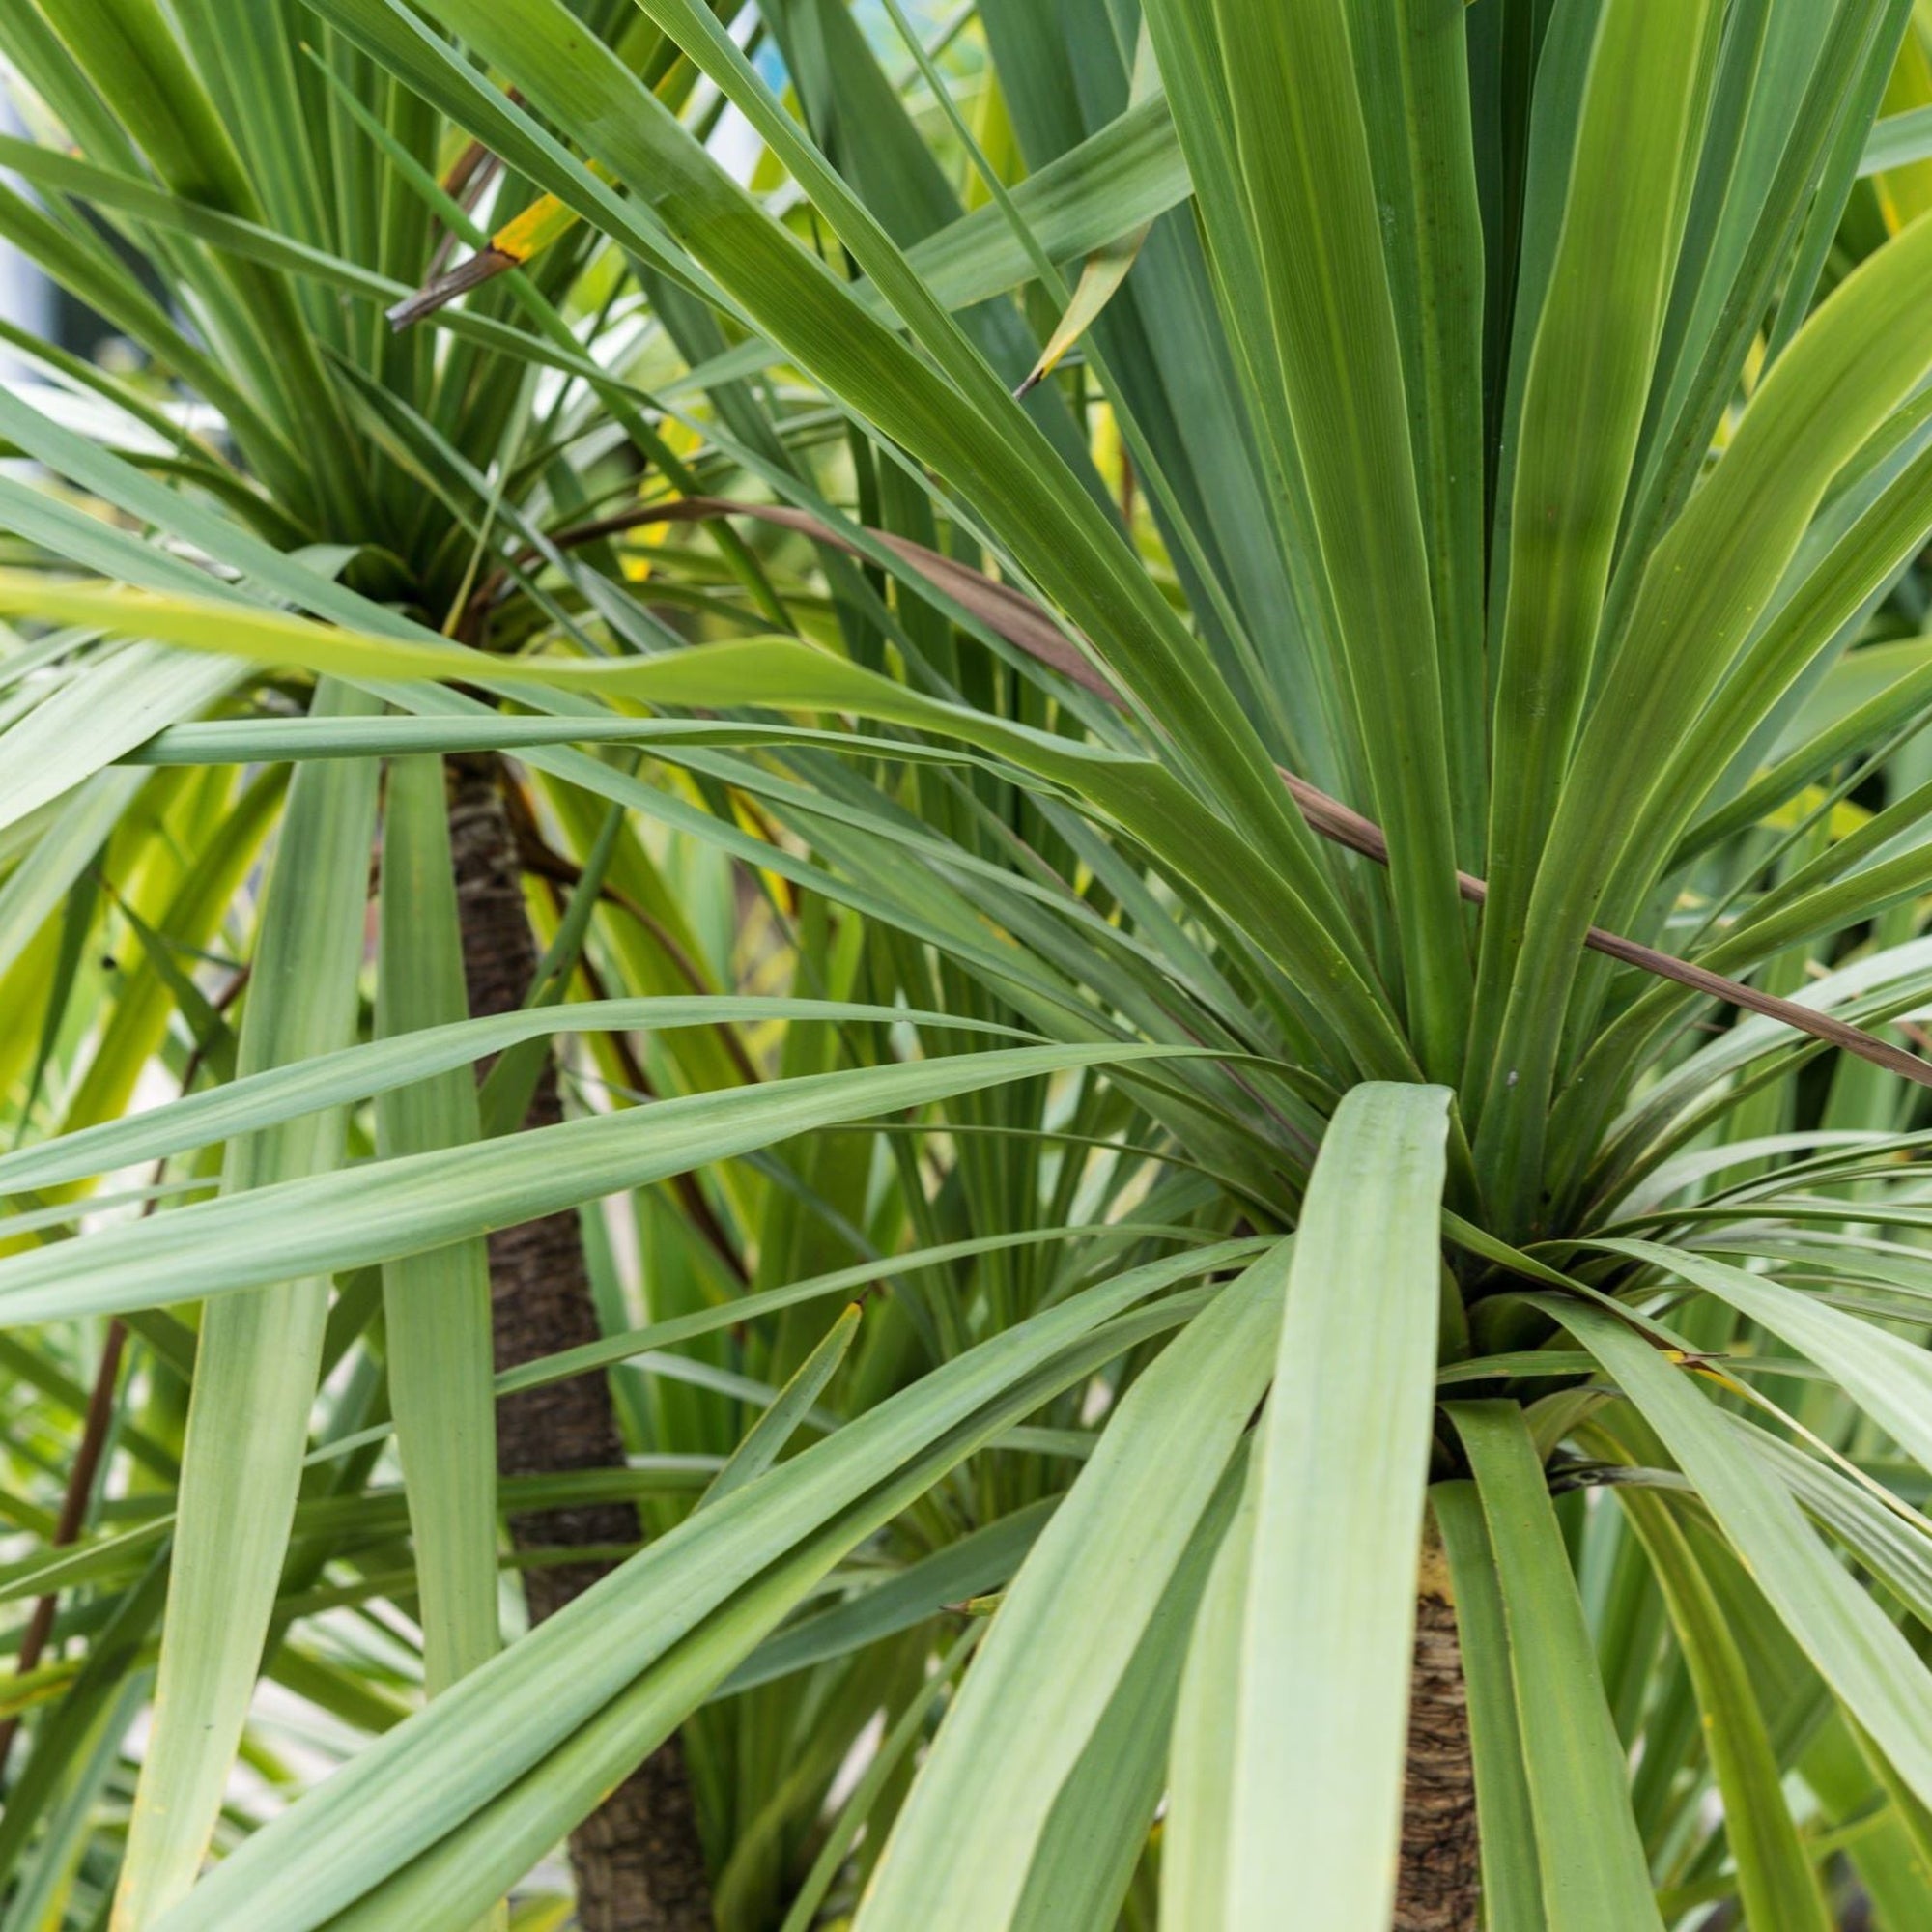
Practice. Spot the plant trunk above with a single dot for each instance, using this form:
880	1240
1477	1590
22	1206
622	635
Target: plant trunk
638	1862
1439	1888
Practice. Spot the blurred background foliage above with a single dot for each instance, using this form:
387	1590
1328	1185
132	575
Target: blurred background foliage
226	204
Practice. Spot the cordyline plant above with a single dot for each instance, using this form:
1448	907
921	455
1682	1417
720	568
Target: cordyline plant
1237	1236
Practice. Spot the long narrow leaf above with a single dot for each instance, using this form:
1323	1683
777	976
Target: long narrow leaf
1594	1875
1326	1624
259	1354
1072	1621
436	1305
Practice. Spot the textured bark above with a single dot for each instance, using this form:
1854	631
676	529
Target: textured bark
638	1862
1439	1888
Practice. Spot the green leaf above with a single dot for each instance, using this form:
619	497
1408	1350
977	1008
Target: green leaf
1195	1842
1855	553
1147	798
977	1562
1893	1544
1857	1649
89	723
1310	202
1706	584
1589	372
1315	1760
1776	1881
765	1441
988	451
1072	1621
259	1355
1592	1863
1118	179
1897	142
415	1786
1412	68
1097	1833
1100	279
64	847
1511	1873
1887	1376
436	1305
893	1750
379	1066
392	1208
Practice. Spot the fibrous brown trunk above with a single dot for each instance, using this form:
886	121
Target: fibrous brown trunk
638	1864
1438	1888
